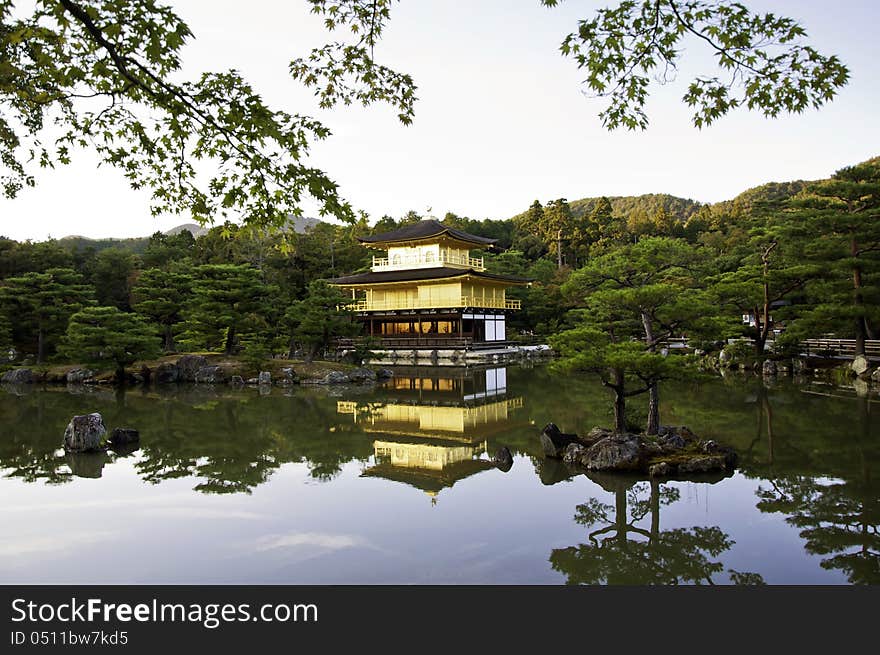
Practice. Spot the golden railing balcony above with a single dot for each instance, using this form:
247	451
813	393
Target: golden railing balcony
463	301
427	260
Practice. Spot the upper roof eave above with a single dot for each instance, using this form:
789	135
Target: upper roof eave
423	230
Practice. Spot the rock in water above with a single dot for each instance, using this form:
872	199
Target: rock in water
362	376
210	375
124	436
18	376
860	365
79	375
335	377
84	433
265	377
619	452
573	454
503	459
236	381
554	442
189	365
167	373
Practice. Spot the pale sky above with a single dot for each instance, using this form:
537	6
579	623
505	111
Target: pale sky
501	119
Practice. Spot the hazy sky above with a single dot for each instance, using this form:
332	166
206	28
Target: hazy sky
501	119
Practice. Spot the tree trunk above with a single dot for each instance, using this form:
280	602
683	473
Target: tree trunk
230	341
760	334
559	249
169	339
619	402
41	345
858	300
764	327
653	425
120	374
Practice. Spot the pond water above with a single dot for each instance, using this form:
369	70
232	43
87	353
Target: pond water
392	484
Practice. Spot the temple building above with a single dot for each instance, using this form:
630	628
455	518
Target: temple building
426	290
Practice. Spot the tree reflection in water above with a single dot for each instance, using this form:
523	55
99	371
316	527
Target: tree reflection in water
652	556
838	517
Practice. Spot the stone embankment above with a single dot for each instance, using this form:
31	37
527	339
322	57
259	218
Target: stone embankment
205	370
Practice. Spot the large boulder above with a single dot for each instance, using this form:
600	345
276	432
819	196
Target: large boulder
769	368
236	381
362	376
189	365
385	373
18	376
860	365
265	377
596	434
554	441
288	377
573	454
167	373
85	433
210	375
619	452
79	375
875	376
335	377
701	464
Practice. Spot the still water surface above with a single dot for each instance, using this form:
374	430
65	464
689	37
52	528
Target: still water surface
393	485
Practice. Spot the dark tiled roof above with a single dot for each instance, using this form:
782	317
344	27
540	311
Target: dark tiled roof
414	274
425	229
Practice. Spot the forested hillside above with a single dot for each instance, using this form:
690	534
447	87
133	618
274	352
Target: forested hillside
810	251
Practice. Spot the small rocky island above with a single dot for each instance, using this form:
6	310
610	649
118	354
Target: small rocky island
673	451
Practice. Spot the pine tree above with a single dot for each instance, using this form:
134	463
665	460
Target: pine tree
633	298
6	346
160	296
315	321
841	218
101	335
40	304
228	301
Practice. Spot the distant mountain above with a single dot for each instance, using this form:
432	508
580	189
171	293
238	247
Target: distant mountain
299	224
193	228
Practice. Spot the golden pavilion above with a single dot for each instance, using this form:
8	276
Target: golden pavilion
427	290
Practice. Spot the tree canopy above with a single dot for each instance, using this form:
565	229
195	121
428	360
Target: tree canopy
106	74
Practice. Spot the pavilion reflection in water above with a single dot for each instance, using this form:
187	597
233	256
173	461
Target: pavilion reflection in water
435	424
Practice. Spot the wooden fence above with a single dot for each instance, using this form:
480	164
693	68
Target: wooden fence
839	348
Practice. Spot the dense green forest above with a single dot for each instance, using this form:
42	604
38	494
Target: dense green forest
801	259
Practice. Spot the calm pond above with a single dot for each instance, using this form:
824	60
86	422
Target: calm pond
392	484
